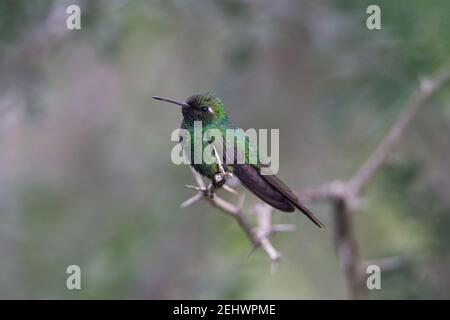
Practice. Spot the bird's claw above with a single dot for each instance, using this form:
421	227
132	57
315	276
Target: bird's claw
220	178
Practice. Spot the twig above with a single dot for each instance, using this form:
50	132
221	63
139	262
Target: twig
427	89
345	195
260	235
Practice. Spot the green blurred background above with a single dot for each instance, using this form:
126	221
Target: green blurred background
85	170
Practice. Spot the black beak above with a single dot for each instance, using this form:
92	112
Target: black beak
180	103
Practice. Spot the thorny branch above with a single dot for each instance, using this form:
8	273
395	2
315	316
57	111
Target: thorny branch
345	194
260	235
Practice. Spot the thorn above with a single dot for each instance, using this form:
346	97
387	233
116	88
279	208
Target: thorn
191	200
229	189
198	178
193	187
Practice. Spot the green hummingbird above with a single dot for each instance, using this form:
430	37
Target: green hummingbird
209	109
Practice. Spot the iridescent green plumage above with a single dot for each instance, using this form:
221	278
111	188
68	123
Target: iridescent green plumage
208	109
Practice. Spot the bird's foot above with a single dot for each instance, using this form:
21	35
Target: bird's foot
220	178
218	181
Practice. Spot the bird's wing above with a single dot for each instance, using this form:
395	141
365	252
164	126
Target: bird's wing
252	179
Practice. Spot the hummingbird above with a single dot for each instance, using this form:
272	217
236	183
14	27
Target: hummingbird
209	109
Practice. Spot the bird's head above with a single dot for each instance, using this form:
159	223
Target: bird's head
205	107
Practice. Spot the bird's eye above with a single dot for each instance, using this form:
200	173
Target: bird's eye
205	109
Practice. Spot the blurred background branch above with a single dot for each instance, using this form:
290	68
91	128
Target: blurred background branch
345	195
